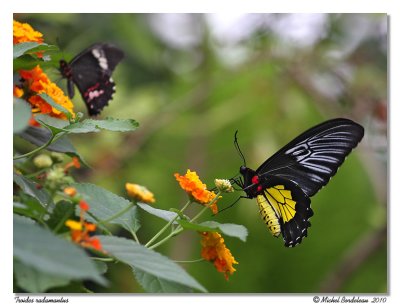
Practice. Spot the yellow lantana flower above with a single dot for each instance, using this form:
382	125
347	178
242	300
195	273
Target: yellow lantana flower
140	193
23	32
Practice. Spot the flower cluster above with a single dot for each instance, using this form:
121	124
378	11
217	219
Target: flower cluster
191	183
35	82
139	193
215	250
81	229
55	175
23	32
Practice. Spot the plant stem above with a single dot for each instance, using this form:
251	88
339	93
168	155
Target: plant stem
189	261
107	259
99	224
180	228
172	234
206	206
53	138
62	221
135	236
36	173
166	226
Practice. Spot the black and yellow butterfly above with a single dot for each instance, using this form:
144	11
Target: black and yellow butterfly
284	183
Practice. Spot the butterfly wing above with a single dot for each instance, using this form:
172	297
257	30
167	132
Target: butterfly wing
312	158
91	72
289	204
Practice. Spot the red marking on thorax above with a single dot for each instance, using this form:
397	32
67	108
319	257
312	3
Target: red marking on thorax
255	179
259	188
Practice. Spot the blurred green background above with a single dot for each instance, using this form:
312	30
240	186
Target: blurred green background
192	80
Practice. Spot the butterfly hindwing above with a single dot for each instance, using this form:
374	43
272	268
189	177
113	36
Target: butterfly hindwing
312	158
285	200
91	72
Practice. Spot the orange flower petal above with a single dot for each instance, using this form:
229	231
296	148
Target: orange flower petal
83	205
215	251
191	183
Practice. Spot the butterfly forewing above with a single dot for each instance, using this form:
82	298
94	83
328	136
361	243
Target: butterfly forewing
312	158
91	72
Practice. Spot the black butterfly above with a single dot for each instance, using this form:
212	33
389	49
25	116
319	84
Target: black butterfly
91	72
284	183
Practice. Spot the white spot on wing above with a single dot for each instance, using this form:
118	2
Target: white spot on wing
96	53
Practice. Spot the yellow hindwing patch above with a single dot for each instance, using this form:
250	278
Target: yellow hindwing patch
281	201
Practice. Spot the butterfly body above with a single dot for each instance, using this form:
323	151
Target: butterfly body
284	183
91	72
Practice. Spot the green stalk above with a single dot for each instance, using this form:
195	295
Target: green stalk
166	226
206	206
189	261
179	229
52	139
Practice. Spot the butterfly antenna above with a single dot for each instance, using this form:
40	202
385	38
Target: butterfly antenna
238	148
58	41
226	208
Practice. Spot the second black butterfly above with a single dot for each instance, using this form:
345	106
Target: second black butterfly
91	72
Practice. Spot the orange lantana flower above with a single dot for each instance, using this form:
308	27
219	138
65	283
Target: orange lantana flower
215	250
23	32
37	82
73	163
191	183
81	229
80	234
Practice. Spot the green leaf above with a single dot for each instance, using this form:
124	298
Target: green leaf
101	267
30	188
104	204
160	213
21	115
42	250
22	48
26	62
57	106
54	124
62	211
149	261
31	47
29	208
39	136
32	280
229	229
154	284
110	124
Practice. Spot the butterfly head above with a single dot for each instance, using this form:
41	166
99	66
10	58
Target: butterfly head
65	69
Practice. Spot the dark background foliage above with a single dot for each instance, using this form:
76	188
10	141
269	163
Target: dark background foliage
192	80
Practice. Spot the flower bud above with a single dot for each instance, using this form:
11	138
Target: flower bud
223	185
42	161
70	191
140	193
